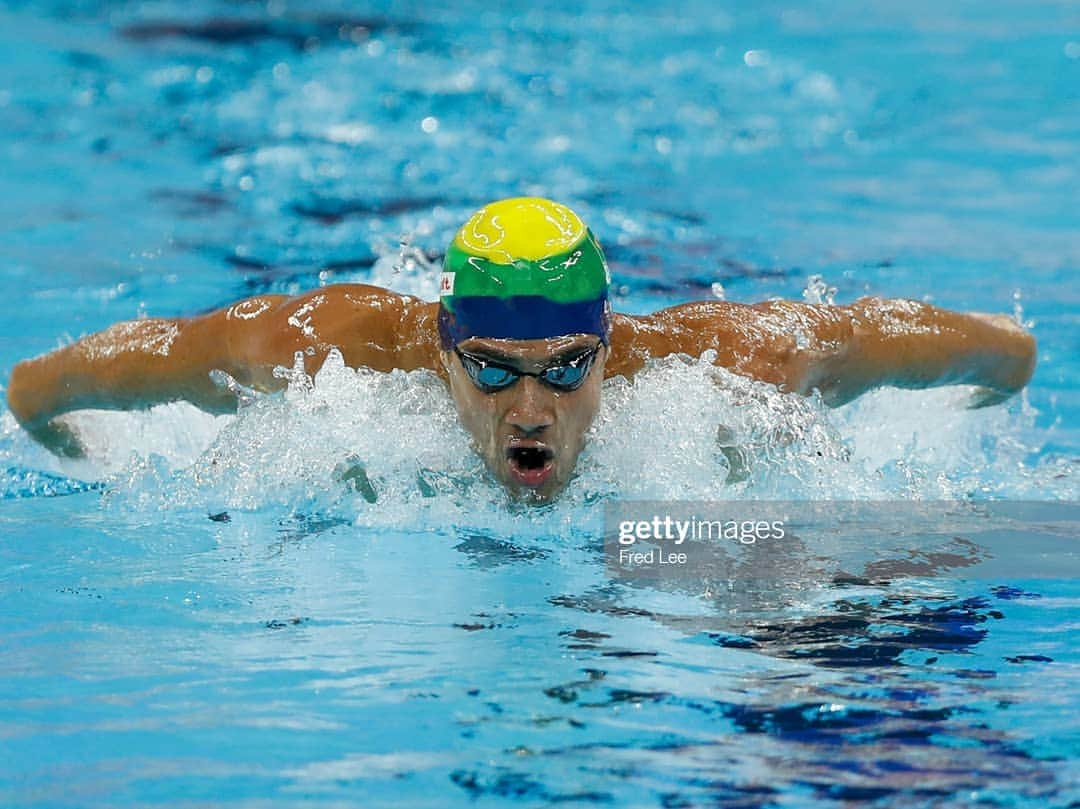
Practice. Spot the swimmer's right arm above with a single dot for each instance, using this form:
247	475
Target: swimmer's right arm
128	366
142	363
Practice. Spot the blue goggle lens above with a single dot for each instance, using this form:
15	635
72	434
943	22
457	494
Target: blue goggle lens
491	376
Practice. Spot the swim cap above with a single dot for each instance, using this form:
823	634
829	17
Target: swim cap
523	269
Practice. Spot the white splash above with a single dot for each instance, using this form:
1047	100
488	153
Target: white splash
387	449
818	291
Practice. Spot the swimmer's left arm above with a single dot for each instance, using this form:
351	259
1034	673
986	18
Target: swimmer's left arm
907	344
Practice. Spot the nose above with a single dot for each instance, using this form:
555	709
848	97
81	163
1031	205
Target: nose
532	409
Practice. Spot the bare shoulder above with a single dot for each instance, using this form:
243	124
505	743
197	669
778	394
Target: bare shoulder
322	299
759	340
371	326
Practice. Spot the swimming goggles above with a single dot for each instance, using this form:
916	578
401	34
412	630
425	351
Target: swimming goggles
491	377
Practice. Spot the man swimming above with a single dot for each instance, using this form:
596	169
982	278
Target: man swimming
523	335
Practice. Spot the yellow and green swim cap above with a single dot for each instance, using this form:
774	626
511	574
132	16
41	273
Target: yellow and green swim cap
523	269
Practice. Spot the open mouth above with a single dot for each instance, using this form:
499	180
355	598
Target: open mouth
530	464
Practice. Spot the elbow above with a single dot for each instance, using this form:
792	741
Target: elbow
20	394
1014	361
1026	358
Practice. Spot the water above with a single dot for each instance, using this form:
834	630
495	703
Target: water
222	611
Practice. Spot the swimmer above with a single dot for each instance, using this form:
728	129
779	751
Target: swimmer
523	336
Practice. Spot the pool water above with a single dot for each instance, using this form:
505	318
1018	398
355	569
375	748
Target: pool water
224	611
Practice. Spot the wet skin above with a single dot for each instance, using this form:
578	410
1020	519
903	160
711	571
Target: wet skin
528	434
840	351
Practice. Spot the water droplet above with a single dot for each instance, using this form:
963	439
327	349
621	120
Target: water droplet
756	58
817	291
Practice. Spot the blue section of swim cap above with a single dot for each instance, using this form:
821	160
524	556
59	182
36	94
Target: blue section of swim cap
522	317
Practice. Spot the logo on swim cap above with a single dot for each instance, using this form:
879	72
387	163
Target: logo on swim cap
523	269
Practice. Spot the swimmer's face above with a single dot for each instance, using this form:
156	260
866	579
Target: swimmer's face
529	432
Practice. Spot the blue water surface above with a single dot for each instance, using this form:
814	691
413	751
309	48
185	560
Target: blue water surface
174	638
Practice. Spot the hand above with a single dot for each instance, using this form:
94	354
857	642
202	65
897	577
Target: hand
59	439
987	397
30	406
735	455
1018	336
